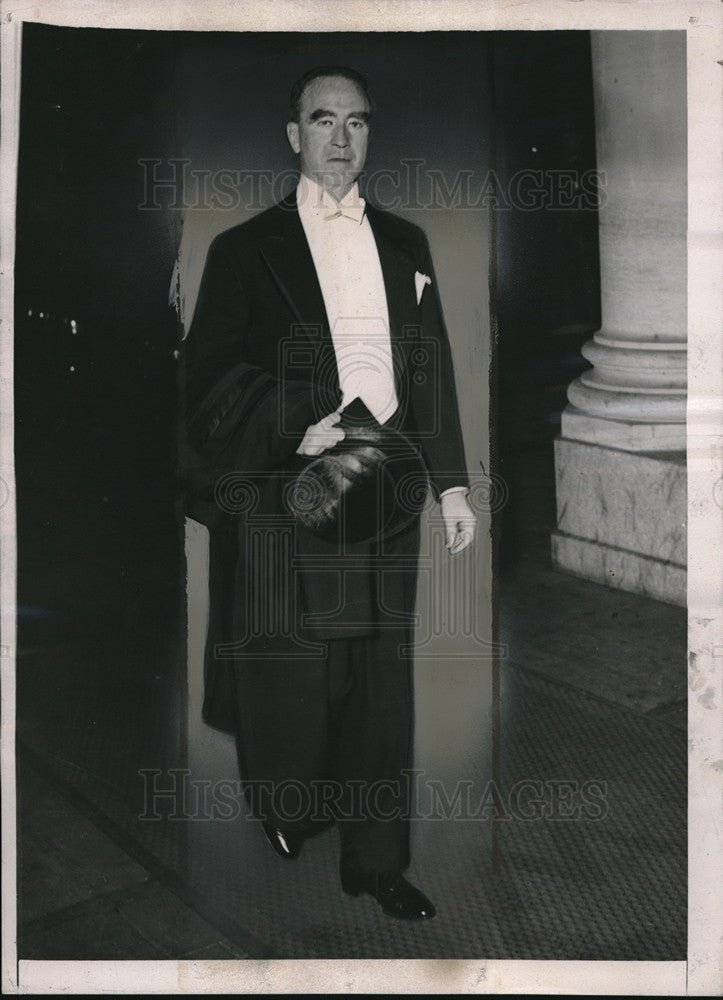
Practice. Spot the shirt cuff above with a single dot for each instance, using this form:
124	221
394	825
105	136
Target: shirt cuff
455	489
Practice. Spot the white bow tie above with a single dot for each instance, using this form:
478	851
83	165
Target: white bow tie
354	212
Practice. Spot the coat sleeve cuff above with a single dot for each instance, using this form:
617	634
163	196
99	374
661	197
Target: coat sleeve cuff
454	489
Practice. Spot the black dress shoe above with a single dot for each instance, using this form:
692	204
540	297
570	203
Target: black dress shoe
286	845
397	897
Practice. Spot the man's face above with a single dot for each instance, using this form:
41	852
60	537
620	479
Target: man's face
332	133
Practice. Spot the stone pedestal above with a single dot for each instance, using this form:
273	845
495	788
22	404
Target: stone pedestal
620	459
621	518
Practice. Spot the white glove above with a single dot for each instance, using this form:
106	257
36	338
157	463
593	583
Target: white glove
459	521
319	437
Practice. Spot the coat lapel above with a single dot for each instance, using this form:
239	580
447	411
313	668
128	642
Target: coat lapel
288	258
398	270
287	255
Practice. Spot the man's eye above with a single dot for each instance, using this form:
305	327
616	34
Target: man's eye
358	124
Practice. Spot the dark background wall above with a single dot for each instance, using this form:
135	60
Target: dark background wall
99	568
546	286
99	543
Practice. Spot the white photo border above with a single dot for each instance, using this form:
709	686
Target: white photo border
701	974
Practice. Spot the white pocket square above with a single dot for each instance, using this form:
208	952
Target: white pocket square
420	280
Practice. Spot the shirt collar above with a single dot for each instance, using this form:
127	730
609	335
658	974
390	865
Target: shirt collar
317	205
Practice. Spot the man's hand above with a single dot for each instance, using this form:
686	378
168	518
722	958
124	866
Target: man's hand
319	437
459	521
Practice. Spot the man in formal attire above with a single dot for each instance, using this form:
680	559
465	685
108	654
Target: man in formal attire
318	306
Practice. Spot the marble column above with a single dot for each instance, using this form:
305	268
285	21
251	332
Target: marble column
620	457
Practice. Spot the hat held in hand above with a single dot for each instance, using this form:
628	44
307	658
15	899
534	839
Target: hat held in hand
370	486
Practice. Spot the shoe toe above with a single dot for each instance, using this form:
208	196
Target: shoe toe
286	845
402	900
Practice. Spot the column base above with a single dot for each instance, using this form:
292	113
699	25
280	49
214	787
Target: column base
622	434
621	518
619	568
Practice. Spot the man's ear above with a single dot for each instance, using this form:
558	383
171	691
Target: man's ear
292	134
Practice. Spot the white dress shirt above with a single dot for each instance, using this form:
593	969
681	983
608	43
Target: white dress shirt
347	266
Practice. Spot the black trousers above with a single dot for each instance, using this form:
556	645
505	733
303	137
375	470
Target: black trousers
331	740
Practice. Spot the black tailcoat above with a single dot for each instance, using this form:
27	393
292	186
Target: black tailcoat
260	333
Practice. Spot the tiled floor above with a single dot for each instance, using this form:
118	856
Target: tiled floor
83	895
593	690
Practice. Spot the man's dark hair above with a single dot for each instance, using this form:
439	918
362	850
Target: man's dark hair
323	71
